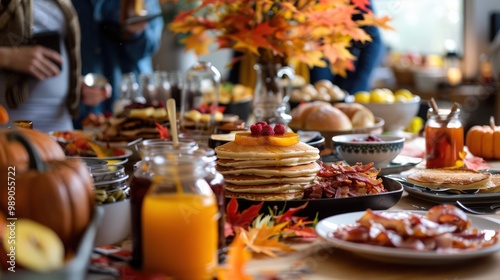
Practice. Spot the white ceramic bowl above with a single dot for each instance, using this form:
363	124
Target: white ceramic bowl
398	115
115	225
353	148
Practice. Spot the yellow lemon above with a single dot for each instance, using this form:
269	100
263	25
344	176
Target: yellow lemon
387	91
362	97
400	98
416	124
378	96
404	92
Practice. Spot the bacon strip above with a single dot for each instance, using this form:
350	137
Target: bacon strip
340	180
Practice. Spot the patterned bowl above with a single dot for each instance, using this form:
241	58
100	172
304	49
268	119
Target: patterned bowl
367	148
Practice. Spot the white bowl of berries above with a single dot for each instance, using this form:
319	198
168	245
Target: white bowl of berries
368	148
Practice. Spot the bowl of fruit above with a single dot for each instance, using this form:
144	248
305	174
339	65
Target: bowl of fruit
397	109
367	148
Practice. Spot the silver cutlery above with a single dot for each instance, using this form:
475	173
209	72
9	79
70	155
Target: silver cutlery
480	209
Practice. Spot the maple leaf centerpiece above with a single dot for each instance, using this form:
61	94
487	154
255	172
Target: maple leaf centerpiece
306	31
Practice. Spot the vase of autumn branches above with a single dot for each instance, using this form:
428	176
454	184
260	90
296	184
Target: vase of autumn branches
286	32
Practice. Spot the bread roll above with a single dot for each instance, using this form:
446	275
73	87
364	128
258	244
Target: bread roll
327	88
300	113
327	118
360	116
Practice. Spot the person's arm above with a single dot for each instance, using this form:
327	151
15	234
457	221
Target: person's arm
145	37
91	96
38	61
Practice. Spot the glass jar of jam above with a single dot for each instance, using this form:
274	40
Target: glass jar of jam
444	138
216	182
141	182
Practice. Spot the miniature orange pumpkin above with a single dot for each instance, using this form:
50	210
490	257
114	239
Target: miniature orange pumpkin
14	154
57	193
484	140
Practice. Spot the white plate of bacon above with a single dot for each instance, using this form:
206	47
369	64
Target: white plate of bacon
443	234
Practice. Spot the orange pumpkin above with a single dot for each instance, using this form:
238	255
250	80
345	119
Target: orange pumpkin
484	140
57	193
14	154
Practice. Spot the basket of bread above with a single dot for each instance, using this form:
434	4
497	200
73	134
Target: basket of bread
335	119
322	90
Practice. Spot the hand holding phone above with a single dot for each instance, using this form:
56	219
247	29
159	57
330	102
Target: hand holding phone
36	61
50	40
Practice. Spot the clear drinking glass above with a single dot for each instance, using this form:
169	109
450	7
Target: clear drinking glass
128	91
147	88
162	87
200	97
176	81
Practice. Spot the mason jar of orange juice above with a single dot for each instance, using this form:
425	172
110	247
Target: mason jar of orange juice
444	138
179	220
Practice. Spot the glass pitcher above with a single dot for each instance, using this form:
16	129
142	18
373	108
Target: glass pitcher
272	93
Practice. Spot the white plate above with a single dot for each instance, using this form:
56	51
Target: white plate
325	227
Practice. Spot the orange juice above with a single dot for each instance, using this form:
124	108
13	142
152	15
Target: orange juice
180	235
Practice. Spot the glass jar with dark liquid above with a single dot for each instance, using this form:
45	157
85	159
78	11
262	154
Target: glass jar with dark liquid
216	182
141	182
444	138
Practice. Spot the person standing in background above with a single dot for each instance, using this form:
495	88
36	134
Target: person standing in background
368	57
111	48
40	78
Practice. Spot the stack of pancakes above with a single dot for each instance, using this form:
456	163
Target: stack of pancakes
266	172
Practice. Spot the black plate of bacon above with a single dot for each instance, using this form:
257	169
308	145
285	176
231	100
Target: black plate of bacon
330	198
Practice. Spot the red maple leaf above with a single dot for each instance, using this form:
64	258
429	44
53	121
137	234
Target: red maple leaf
362	4
288	215
162	130
244	218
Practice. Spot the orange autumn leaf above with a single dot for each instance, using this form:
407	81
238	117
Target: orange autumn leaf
200	43
258	241
263	237
237	258
286	31
371	19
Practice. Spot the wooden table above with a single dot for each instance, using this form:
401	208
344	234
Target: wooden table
321	261
325	262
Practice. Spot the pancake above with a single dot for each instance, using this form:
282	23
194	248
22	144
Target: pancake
287	171
493	185
234	151
267	162
269	188
267	172
267	196
461	179
249	180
